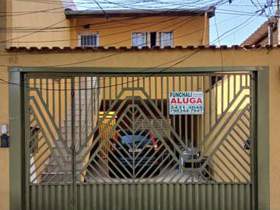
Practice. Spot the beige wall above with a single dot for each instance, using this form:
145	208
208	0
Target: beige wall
41	17
150	59
4	179
188	30
4	115
38	17
2	23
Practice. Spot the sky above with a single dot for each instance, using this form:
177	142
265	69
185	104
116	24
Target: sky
243	18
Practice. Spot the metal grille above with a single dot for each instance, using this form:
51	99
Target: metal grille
112	129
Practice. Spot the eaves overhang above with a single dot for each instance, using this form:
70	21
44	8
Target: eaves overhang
69	13
136	49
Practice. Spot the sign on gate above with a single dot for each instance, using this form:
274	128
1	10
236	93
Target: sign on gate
186	103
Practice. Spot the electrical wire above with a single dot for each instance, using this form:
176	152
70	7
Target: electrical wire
180	6
172	29
29	34
85	5
54	29
219	41
76	39
55	40
5	41
177	61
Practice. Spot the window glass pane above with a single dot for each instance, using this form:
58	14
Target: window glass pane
139	39
89	40
82	40
92	41
166	39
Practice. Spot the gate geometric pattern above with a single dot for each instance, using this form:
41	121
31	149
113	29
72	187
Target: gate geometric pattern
112	129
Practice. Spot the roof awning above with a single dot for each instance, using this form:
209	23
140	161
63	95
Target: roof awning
126	13
140	8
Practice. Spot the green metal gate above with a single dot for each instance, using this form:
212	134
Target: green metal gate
110	141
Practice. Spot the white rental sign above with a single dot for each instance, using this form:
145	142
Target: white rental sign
186	103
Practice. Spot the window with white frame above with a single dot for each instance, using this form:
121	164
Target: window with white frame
166	39
139	39
152	39
89	40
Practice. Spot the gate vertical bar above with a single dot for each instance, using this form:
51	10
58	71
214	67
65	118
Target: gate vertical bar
253	135
17	167
26	84
73	147
193	191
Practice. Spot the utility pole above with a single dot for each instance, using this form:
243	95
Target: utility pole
270	31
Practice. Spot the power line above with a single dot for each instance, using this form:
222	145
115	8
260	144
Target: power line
219	41
86	3
129	6
179	60
173	29
75	39
233	28
54	29
221	2
30	33
172	24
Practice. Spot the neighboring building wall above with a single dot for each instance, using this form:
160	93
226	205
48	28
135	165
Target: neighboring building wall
51	14
265	40
4	106
4	179
2	23
149	59
260	36
187	30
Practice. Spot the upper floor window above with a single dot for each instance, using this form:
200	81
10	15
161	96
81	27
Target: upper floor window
89	40
166	39
152	39
139	39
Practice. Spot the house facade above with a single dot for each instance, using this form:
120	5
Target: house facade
86	25
117	107
107	189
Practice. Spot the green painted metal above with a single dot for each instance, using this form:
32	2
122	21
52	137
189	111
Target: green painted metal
143	196
147	195
17	157
144	71
262	192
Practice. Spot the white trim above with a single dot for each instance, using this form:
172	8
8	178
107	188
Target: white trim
171	38
159	41
145	37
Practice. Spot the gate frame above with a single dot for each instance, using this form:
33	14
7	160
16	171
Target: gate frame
18	180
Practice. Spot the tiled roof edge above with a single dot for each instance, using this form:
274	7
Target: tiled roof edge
96	49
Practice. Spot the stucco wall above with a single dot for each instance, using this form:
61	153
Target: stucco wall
33	23
4	114
188	30
4	179
39	23
150	59
2	23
